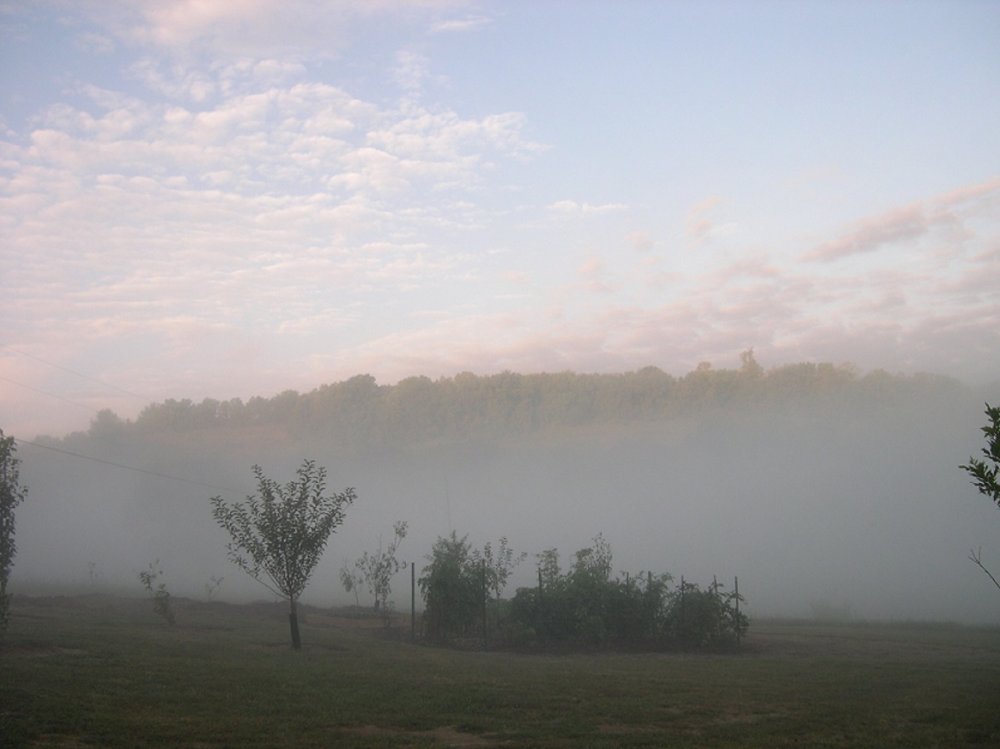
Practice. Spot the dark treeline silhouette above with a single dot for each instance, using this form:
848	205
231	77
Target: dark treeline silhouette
361	413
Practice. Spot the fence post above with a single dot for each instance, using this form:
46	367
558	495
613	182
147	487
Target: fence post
681	626
538	603
413	601
716	621
482	569
736	591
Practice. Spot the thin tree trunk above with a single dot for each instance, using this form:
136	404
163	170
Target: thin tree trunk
293	621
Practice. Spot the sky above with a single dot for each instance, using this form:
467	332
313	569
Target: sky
229	198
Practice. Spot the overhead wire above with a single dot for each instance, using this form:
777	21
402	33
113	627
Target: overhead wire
81	456
46	392
73	372
126	467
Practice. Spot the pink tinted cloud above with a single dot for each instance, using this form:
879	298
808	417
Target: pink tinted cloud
870	234
699	223
909	222
593	273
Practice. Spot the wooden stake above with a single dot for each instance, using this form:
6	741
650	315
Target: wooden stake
736	590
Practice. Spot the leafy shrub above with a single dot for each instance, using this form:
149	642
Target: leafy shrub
452	589
586	606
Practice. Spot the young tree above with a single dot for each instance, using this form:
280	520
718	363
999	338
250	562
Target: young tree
159	593
11	495
548	567
351	581
500	563
984	475
376	569
451	586
279	536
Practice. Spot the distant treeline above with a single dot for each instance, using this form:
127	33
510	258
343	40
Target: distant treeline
359	411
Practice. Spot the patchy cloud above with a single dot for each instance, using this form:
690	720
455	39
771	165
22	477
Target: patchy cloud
641	241
460	25
220	198
570	208
906	223
593	275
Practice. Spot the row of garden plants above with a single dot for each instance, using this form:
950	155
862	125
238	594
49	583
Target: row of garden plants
583	606
278	536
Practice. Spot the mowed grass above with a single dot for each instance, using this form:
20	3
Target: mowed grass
106	672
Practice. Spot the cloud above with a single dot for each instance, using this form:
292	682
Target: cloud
96	43
119	209
233	29
699	226
868	235
642	241
570	208
907	223
412	69
460	25
593	274
702	226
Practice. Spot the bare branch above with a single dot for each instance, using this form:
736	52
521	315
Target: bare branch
976	556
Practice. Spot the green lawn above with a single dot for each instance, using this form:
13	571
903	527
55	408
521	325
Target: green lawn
105	672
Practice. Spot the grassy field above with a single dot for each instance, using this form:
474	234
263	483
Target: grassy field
96	671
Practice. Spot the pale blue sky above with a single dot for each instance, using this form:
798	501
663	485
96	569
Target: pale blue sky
221	198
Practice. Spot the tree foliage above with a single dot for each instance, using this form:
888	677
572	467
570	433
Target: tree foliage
588	606
279	534
585	606
351	579
358	413
11	495
984	474
451	585
158	591
500	562
376	570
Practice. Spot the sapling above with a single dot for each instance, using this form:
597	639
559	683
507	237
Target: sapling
352	581
279	534
377	569
212	585
498	564
158	591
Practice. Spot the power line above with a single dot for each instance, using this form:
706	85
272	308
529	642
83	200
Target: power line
75	372
123	466
46	392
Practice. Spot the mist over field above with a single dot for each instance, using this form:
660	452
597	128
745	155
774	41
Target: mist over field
826	491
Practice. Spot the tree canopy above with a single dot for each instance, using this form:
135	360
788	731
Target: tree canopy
358	412
279	534
11	495
984	472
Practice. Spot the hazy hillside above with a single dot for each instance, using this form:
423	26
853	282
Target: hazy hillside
818	485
